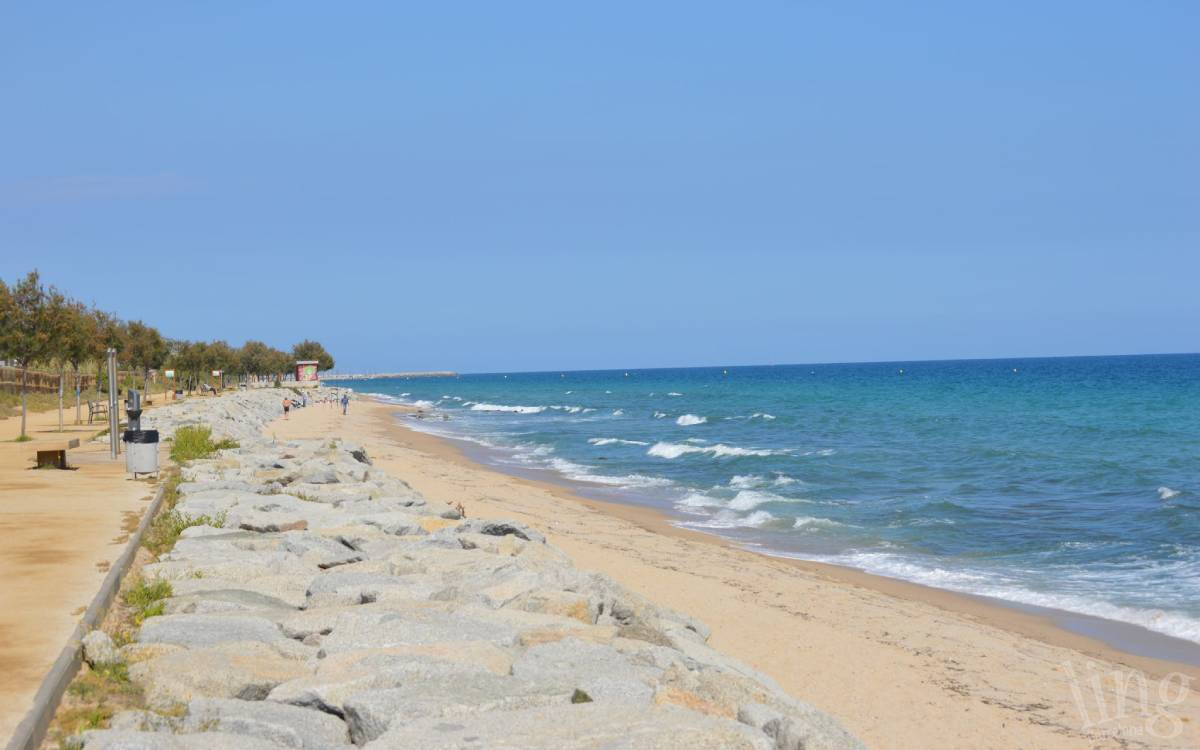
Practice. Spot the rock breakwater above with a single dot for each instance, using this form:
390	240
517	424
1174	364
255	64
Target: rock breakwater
328	604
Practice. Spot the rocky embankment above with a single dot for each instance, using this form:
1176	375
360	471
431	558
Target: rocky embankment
330	605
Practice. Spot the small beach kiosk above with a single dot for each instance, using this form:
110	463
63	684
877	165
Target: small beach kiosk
306	372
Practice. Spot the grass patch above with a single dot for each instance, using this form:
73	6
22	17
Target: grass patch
166	527
195	441
146	599
92	699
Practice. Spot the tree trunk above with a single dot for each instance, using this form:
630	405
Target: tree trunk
61	379
24	377
78	419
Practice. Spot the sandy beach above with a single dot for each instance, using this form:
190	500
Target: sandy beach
903	666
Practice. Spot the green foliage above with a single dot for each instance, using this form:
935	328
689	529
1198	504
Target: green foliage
313	350
580	697
169	524
195	441
146	599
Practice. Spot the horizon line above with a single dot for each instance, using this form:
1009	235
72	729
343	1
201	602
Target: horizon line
792	364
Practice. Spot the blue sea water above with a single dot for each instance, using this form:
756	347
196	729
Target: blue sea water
1071	483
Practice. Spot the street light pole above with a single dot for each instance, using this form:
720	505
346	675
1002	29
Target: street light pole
114	421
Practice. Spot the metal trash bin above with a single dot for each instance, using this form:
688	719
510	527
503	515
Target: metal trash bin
141	452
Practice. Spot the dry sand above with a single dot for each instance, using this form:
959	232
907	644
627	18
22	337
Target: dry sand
59	532
902	666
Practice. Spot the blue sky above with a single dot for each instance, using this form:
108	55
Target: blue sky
509	186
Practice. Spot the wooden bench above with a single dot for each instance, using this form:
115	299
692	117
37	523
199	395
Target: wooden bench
97	409
55	455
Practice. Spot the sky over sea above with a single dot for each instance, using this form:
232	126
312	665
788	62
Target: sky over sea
535	186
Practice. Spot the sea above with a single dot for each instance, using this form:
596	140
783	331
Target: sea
1065	483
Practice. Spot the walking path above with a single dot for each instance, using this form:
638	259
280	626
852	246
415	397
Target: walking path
60	531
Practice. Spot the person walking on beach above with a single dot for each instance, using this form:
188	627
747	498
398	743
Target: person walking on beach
287	406
345	403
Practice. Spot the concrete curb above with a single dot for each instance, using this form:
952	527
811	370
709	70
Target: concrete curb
32	729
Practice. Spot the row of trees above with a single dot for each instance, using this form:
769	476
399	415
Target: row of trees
42	327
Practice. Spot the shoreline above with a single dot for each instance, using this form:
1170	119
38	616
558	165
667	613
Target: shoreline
1109	640
899	665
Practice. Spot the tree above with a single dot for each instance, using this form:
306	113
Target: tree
57	322
80	339
219	355
8	318
146	350
189	359
110	334
254	358
279	363
26	335
312	350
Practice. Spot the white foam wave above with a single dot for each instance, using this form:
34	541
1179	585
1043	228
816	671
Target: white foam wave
727	519
673	393
508	408
751	481
687	420
720	450
420	404
618	412
750	499
615	441
993	584
580	473
659	415
1166	493
811	523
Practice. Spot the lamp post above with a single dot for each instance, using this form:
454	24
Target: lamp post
114	421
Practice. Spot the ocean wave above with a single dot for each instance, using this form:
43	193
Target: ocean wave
618	412
420	404
720	450
615	441
750	499
699	500
573	409
659	415
507	408
762	415
996	585
1166	493
751	481
727	519
812	523
674	393
687	420
580	473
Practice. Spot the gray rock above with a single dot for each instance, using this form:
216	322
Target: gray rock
199	631
370	713
99	649
110	739
499	528
246	671
602	672
575	727
288	726
811	730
